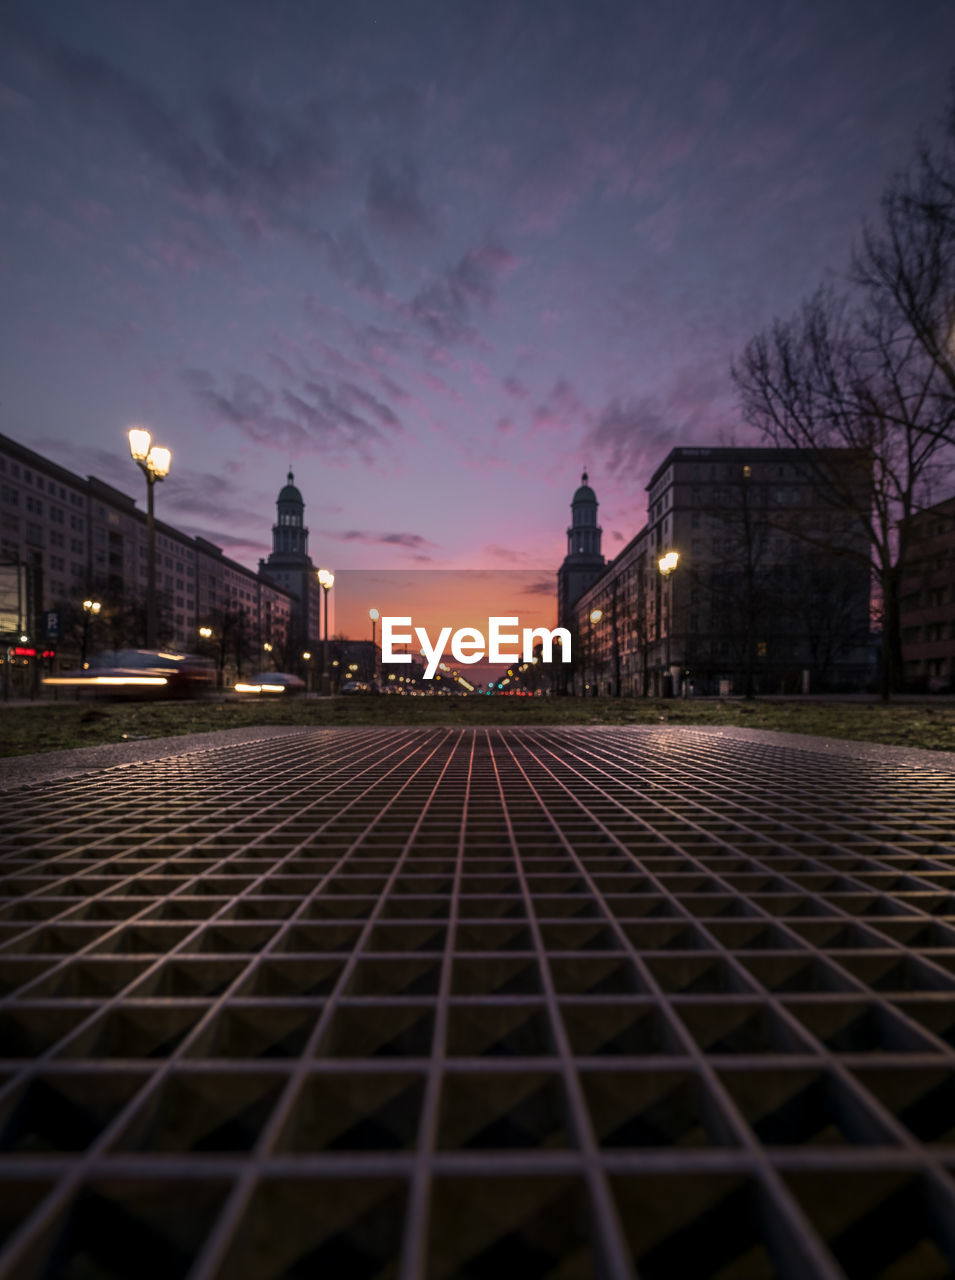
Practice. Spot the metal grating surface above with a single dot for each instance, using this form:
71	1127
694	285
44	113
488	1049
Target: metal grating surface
560	1003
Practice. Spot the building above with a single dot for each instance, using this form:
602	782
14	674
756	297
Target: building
927	605
771	592
291	568
584	561
65	539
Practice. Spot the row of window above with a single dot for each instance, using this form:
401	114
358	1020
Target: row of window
931	632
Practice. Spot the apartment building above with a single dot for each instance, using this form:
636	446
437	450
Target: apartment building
927	603
770	592
64	539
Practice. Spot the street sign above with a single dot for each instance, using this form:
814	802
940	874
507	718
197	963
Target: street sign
51	624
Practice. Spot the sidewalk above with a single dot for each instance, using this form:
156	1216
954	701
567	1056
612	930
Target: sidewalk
441	1002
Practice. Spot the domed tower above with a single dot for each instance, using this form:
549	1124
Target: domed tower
584	561
583	536
290	567
289	535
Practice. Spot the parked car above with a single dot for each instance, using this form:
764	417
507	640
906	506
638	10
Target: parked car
141	673
356	686
271	682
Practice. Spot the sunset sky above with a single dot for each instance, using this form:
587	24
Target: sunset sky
436	255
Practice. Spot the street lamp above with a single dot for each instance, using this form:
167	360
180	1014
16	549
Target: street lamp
374	614
90	609
154	463
307	659
595	616
666	564
326	580
206	648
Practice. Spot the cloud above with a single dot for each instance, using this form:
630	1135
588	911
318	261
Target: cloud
266	164
544	586
393	200
634	436
232	544
514	558
561	409
409	541
514	387
349	257
445	308
342	420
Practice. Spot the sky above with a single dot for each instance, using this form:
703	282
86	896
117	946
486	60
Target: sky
436	256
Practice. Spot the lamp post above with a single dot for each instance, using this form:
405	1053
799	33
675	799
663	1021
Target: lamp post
374	614
90	609
666	565
595	616
326	581
154	463
206	647
307	659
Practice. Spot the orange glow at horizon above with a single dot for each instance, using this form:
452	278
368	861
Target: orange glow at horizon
439	598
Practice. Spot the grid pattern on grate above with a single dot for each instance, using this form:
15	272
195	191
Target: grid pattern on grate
436	1003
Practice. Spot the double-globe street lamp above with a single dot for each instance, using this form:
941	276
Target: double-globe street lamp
666	564
326	580
154	462
90	609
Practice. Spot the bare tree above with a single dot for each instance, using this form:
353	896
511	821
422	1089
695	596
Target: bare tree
873	369
847	373
825	608
740	589
908	259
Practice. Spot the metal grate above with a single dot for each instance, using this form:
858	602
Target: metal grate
436	1003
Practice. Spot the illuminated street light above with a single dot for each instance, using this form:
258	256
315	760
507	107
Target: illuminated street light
595	616
326	580
374	614
90	609
154	462
666	564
